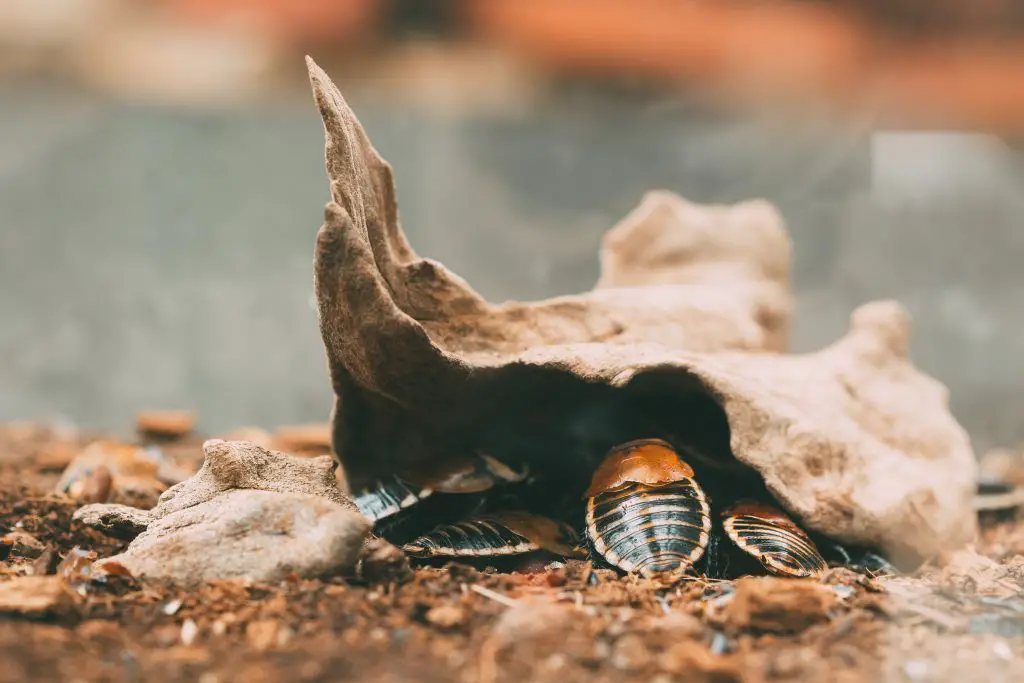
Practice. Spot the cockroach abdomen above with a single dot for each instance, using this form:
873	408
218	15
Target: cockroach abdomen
649	529
766	533
478	538
387	497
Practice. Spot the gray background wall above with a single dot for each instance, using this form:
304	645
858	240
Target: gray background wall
161	258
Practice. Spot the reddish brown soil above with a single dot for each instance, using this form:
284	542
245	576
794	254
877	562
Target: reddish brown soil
459	624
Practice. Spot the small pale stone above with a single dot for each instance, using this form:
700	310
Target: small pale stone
189	632
172	607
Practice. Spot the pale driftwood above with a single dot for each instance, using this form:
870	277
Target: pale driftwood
680	338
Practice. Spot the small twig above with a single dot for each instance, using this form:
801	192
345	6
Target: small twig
497	597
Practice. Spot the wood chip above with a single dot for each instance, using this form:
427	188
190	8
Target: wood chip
34	596
778	605
165	423
497	597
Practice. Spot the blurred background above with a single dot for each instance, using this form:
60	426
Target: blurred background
161	175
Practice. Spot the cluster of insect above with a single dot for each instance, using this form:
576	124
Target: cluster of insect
644	512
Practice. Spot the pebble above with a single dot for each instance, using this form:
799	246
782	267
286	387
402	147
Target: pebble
1002	650
171	608
916	669
189	632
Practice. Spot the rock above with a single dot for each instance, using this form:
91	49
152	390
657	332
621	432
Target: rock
119	521
778	605
259	535
248	513
245	465
853	440
34	596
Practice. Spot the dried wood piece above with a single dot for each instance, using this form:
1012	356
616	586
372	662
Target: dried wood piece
678	339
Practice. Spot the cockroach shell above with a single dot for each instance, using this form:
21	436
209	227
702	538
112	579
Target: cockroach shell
650	462
555	537
645	512
470	474
387	497
769	535
474	537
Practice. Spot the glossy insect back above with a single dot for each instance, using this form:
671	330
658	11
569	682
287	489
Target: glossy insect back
645	513
766	533
387	497
511	533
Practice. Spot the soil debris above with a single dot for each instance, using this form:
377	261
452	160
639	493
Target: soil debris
777	605
74	620
34	596
382	562
968	572
108	470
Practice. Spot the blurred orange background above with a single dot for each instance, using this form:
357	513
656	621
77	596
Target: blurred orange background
914	63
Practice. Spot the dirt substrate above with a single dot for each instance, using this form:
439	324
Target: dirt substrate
964	622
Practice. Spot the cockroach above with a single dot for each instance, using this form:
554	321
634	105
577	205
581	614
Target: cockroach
496	534
645	512
766	533
391	495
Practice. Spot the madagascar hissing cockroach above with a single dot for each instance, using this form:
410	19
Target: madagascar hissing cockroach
645	513
389	496
496	534
766	533
441	490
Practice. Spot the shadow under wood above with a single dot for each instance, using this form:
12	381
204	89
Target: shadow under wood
563	426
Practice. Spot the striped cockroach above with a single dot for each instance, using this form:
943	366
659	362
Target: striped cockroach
386	500
645	511
773	539
496	534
